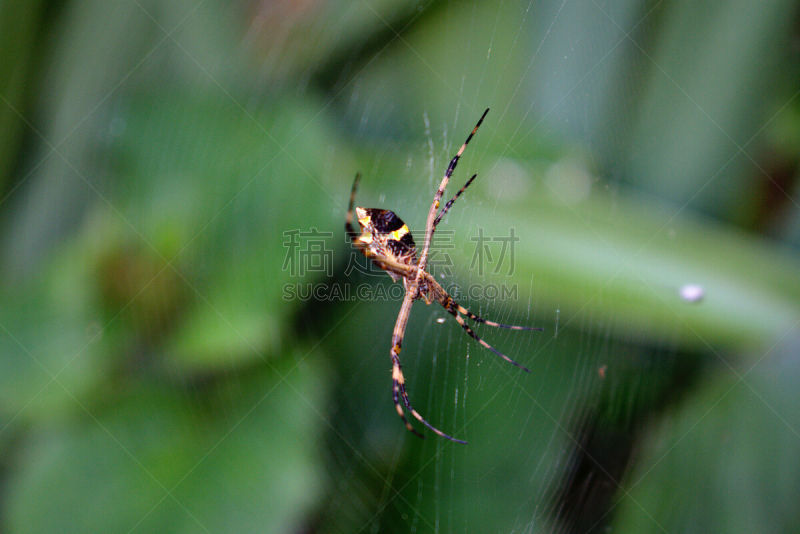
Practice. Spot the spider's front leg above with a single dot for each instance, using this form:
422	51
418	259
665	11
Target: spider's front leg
398	380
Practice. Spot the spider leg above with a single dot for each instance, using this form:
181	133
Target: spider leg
480	320
451	201
430	227
450	305
398	380
453	162
348	223
398	390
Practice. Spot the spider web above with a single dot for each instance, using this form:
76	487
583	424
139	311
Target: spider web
548	451
523	423
191	344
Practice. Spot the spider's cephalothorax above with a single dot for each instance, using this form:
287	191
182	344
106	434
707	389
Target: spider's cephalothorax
387	241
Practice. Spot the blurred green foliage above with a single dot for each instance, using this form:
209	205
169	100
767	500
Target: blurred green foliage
159	160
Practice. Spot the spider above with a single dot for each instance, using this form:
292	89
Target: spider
387	241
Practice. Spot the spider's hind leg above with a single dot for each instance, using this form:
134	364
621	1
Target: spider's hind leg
450	202
348	222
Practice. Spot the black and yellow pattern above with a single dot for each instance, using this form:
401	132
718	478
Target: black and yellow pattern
387	234
387	241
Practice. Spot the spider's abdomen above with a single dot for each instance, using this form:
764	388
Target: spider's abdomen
386	234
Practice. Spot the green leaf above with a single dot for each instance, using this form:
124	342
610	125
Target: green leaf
727	460
226	199
242	458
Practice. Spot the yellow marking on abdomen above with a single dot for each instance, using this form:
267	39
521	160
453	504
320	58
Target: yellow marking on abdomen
363	218
400	232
